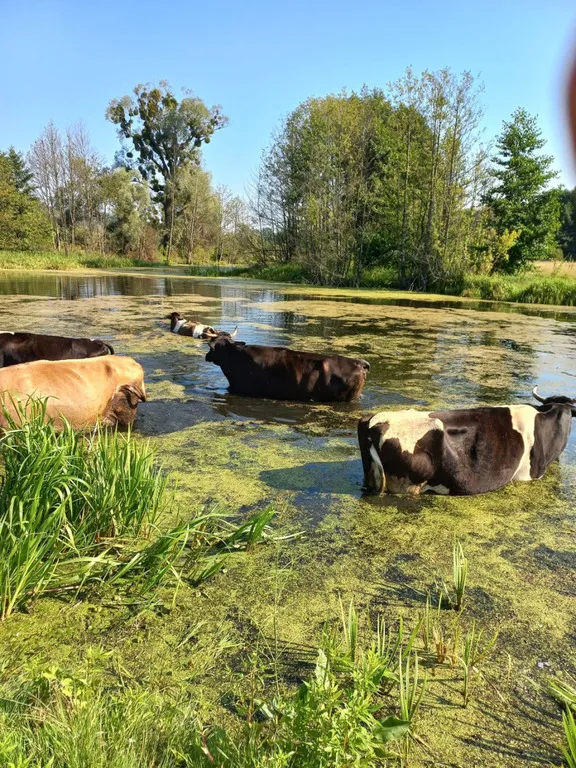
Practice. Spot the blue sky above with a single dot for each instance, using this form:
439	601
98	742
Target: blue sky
63	61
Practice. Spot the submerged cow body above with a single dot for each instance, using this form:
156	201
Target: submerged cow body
184	327
285	374
17	348
462	452
84	392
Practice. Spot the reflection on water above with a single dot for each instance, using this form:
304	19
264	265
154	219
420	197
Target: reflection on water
422	353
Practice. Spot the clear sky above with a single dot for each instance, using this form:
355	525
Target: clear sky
63	61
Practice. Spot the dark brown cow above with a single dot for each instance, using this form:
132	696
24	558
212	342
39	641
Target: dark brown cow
16	348
287	375
463	452
196	330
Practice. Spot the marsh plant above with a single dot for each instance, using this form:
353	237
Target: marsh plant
475	652
355	709
459	574
569	751
564	691
79	511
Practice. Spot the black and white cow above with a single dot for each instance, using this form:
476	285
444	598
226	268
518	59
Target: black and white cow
463	452
183	327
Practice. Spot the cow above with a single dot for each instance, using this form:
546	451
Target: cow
106	390
16	348
196	330
463	452
285	374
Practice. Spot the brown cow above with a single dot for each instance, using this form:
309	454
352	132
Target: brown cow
286	374
99	389
19	347
196	330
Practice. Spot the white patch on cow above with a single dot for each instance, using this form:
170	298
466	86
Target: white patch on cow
199	330
178	325
437	489
405	426
523	421
10	332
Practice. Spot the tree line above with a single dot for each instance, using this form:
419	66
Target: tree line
399	178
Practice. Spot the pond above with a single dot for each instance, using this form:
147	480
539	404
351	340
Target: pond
385	553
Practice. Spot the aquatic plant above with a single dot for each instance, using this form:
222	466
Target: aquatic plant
569	751
474	654
563	691
78	511
459	574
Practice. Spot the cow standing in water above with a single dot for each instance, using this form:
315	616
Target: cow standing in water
286	374
16	348
463	452
84	392
184	327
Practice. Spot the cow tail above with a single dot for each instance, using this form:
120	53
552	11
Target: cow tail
109	347
373	469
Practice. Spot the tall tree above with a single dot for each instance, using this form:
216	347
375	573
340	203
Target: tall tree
165	135
520	200
21	173
567	231
46	159
23	223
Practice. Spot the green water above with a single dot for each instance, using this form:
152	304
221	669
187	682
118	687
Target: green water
244	454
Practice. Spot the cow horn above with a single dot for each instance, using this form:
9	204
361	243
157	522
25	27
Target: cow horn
537	396
211	335
234	332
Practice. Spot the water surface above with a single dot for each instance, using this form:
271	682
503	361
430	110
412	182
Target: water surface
244	454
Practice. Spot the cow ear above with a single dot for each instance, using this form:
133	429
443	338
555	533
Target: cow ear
136	390
240	343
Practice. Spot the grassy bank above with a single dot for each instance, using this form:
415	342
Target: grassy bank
528	289
73	260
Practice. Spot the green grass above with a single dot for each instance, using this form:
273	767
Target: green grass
60	261
354	709
78	512
528	289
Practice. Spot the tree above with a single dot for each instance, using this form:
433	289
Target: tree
567	231
127	211
196	212
20	173
23	223
519	200
46	159
166	135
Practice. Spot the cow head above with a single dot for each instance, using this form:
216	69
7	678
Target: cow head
222	348
555	400
174	317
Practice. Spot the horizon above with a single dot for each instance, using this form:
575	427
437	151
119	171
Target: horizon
259	76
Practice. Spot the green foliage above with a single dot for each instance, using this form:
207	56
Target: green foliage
569	751
62	261
20	175
475	652
23	223
567	231
127	201
78	511
459	574
564	691
375	179
166	135
520	201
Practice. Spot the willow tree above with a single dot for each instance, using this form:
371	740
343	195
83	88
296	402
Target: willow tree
164	136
